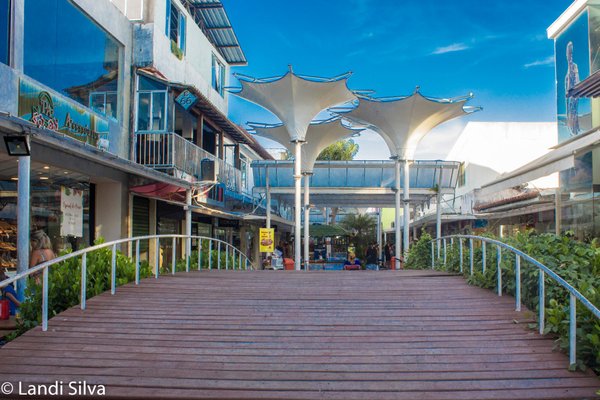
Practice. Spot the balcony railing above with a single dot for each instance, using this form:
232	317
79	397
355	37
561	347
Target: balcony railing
171	153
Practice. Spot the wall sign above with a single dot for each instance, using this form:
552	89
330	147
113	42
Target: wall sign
71	207
186	99
47	110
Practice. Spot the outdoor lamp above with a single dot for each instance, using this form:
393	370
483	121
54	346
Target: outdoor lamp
17	145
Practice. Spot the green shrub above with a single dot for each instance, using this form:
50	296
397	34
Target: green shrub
576	262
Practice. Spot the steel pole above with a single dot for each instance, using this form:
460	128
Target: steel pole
268	187
406	208
297	204
306	220
23	218
398	249
188	229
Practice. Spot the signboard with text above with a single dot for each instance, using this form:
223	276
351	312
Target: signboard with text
71	207
267	240
50	111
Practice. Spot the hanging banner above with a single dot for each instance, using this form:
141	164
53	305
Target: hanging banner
71	207
267	240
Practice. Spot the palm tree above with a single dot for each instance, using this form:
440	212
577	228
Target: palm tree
363	227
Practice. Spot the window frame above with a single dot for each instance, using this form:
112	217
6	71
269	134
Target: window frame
9	23
218	79
151	92
181	25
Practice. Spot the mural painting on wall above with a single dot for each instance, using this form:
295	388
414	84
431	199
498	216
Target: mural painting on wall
572	66
574	114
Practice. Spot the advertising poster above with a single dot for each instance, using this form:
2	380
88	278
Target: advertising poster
71	207
267	240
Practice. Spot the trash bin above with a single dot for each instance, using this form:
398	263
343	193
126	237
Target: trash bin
288	264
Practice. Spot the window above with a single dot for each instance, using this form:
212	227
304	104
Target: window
244	169
67	51
218	75
104	103
152	105
462	175
4	31
175	27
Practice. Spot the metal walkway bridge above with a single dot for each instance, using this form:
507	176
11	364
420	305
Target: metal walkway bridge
298	335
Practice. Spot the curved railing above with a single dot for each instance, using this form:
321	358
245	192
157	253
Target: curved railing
241	260
574	294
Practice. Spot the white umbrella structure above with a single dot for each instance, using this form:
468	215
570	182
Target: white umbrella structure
320	135
296	100
403	122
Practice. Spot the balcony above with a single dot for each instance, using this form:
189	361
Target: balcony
172	154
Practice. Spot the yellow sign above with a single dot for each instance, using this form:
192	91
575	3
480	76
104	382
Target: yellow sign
267	240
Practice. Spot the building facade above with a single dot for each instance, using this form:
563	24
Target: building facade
124	106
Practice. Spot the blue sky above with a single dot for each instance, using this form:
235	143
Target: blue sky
496	49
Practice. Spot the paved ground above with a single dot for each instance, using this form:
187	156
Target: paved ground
297	335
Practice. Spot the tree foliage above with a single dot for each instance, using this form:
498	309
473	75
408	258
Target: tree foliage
342	150
363	227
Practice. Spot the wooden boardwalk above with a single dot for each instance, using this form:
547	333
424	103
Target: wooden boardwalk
296	335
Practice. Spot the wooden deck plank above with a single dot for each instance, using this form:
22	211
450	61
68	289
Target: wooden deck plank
317	335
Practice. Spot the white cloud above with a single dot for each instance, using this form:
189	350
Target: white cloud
539	63
451	48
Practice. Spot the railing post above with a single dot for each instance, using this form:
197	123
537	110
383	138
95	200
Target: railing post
157	258
432	254
174	256
499	269
45	299
226	256
483	256
113	273
541	300
444	252
460	254
572	330
210	244
471	255
518	282
137	262
219	255
199	254
83	294
188	253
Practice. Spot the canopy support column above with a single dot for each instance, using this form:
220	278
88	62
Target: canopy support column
268	194
438	212
306	220
297	203
23	208
406	208
379	246
398	249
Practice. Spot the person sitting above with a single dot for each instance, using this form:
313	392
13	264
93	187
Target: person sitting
9	293
352	263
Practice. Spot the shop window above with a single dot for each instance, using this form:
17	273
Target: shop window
4	31
218	75
67	51
175	29
152	106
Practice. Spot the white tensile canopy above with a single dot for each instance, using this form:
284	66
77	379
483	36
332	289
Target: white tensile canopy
403	122
296	100
319	136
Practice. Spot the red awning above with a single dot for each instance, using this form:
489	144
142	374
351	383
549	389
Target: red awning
161	190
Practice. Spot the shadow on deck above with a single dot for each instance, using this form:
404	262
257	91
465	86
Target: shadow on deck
298	335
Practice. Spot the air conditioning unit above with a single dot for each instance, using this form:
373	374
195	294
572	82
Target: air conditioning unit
208	170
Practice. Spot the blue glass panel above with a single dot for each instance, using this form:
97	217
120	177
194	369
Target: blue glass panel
4	31
68	52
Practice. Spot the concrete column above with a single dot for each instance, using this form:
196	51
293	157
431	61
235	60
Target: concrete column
297	203
406	208
23	221
557	212
111	210
397	222
306	220
152	228
379	244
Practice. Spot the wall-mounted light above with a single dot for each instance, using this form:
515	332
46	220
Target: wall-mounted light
17	145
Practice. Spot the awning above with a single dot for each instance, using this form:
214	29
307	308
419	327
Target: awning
559	159
589	87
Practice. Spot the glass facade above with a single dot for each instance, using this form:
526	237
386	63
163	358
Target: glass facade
71	54
4	31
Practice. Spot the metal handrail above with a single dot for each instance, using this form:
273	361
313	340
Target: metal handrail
574	294
43	267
